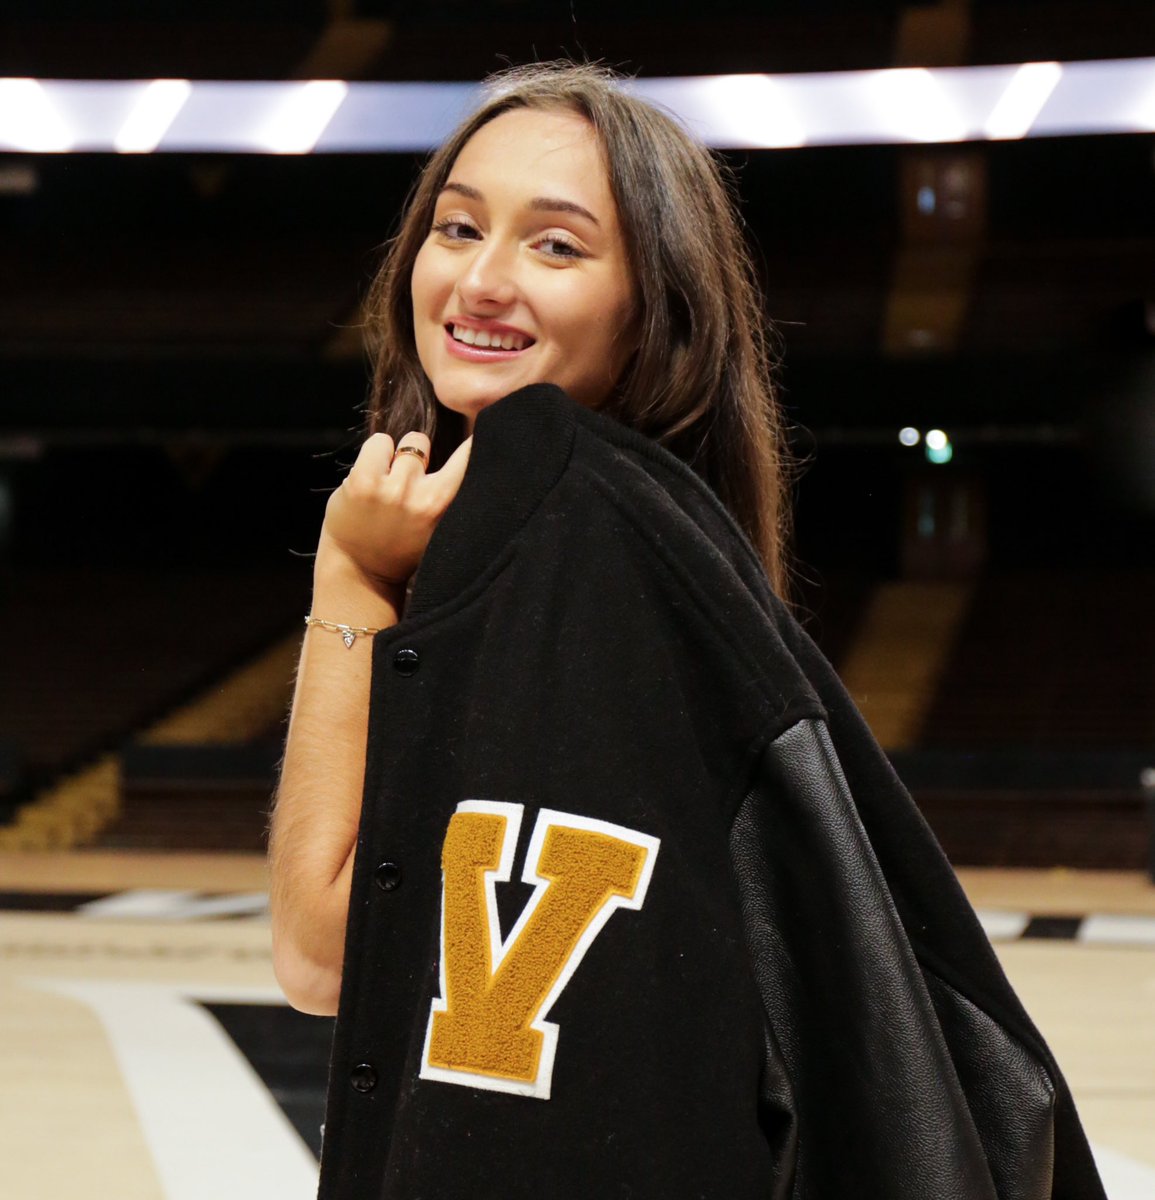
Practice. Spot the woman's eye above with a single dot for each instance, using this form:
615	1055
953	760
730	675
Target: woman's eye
558	247
455	230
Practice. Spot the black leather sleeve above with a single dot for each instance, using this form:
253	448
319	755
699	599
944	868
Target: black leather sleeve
880	1081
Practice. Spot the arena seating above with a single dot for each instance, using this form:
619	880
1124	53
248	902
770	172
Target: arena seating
74	691
157	724
89	657
1018	675
1032	748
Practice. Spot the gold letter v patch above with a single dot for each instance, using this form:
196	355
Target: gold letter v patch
488	1027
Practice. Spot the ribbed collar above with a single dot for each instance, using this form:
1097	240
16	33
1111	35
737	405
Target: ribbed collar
521	445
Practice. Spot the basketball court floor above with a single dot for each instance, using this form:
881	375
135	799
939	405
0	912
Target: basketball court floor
149	1055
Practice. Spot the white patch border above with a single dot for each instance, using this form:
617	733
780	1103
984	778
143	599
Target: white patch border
538	1088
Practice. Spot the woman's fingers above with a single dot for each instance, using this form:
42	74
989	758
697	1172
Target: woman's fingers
374	457
384	513
452	471
379	459
411	464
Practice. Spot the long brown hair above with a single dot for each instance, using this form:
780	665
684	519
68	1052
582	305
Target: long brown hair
700	381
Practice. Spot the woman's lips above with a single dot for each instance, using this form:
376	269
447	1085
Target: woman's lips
479	354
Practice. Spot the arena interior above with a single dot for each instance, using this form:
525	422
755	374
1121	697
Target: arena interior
965	324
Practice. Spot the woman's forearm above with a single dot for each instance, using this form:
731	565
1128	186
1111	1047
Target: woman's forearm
318	802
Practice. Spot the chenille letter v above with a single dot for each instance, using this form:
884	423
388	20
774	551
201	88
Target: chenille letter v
488	1028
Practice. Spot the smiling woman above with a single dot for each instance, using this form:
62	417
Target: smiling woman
524	277
730	933
630	252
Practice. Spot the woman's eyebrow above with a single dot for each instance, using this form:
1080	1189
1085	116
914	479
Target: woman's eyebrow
550	204
537	204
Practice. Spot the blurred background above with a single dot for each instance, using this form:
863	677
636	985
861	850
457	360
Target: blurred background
182	380
966	335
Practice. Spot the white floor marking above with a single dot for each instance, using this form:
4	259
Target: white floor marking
159	904
143	903
212	1125
1120	930
1124	1178
1001	925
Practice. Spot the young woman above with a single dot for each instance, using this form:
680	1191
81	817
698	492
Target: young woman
547	636
634	293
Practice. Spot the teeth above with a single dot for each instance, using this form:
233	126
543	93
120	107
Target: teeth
490	341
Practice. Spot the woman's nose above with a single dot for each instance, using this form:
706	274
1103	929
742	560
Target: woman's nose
489	277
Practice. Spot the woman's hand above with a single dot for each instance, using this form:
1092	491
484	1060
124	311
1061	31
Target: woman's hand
382	516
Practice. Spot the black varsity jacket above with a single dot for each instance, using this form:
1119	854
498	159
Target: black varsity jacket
639	908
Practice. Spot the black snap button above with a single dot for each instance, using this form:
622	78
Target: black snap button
388	876
406	661
363	1077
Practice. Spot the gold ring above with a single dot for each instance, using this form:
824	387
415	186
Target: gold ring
411	450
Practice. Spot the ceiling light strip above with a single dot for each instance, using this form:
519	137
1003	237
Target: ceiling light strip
904	105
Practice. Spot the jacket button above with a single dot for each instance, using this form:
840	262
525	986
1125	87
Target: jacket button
388	876
363	1077
406	661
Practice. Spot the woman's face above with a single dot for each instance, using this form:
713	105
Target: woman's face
524	277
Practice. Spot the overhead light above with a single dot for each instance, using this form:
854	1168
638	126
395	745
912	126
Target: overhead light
1029	89
1146	112
831	108
938	448
151	116
28	119
909	436
914	106
301	117
754	111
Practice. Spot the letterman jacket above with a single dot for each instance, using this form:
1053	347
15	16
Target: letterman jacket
639	908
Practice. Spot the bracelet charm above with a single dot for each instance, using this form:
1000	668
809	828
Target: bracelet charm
348	632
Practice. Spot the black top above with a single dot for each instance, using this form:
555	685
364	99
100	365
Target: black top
638	907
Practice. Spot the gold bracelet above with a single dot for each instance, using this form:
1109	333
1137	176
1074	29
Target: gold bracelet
348	632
